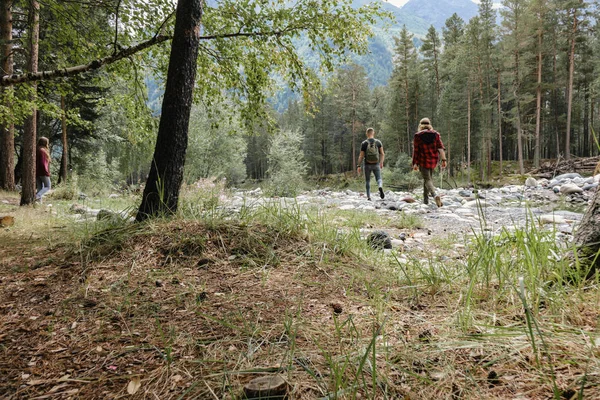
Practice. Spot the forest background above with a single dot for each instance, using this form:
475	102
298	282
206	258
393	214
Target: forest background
516	81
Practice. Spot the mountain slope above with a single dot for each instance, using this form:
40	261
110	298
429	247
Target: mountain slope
436	12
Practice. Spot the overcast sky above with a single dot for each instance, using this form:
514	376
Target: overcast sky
400	3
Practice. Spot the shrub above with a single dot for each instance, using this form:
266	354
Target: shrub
66	191
286	165
401	174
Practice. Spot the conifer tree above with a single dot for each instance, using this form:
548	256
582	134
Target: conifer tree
431	49
515	25
405	65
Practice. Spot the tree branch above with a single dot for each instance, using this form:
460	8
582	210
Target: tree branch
115	44
8	80
15	79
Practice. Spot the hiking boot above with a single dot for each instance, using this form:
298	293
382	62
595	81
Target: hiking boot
368	198
381	194
426	200
438	201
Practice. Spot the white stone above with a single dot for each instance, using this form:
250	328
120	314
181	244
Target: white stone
347	207
552	219
475	203
531	182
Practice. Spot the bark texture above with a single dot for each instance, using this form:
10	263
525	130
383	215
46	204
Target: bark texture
570	87
30	131
161	193
64	161
587	238
7	132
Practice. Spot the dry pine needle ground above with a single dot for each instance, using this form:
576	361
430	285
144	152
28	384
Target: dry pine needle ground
183	310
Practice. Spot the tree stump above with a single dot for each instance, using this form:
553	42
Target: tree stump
266	387
587	237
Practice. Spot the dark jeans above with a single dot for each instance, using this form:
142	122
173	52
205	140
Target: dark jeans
428	187
377	172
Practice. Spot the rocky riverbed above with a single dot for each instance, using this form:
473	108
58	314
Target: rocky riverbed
556	204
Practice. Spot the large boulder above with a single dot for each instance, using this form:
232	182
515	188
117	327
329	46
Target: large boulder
570	188
564	177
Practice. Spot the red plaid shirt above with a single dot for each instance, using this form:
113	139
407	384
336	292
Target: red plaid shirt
425	149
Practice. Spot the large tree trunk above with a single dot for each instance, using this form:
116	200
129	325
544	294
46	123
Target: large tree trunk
570	87
518	124
161	193
7	132
29	133
538	103
499	121
587	237
407	113
468	133
64	162
555	96
354	155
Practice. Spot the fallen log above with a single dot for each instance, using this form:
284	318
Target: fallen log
551	168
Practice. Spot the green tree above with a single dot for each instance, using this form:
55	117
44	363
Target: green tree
515	25
402	85
539	8
351	92
7	129
30	130
431	49
216	147
286	164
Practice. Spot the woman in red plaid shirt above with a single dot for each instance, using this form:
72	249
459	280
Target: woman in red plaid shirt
427	149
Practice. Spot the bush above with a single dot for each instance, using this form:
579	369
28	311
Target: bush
286	165
66	191
401	174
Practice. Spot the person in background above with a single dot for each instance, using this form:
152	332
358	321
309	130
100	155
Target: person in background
427	150
371	151
42	168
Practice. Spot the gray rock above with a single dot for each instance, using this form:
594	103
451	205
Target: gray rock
564	177
394	206
590	186
108	215
570	188
465	193
78	209
531	182
379	240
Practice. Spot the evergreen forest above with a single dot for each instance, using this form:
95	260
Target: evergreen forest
513	84
182	213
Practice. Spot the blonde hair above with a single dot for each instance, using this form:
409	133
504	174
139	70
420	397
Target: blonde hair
425	124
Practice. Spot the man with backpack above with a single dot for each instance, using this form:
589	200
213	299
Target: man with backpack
371	151
427	150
